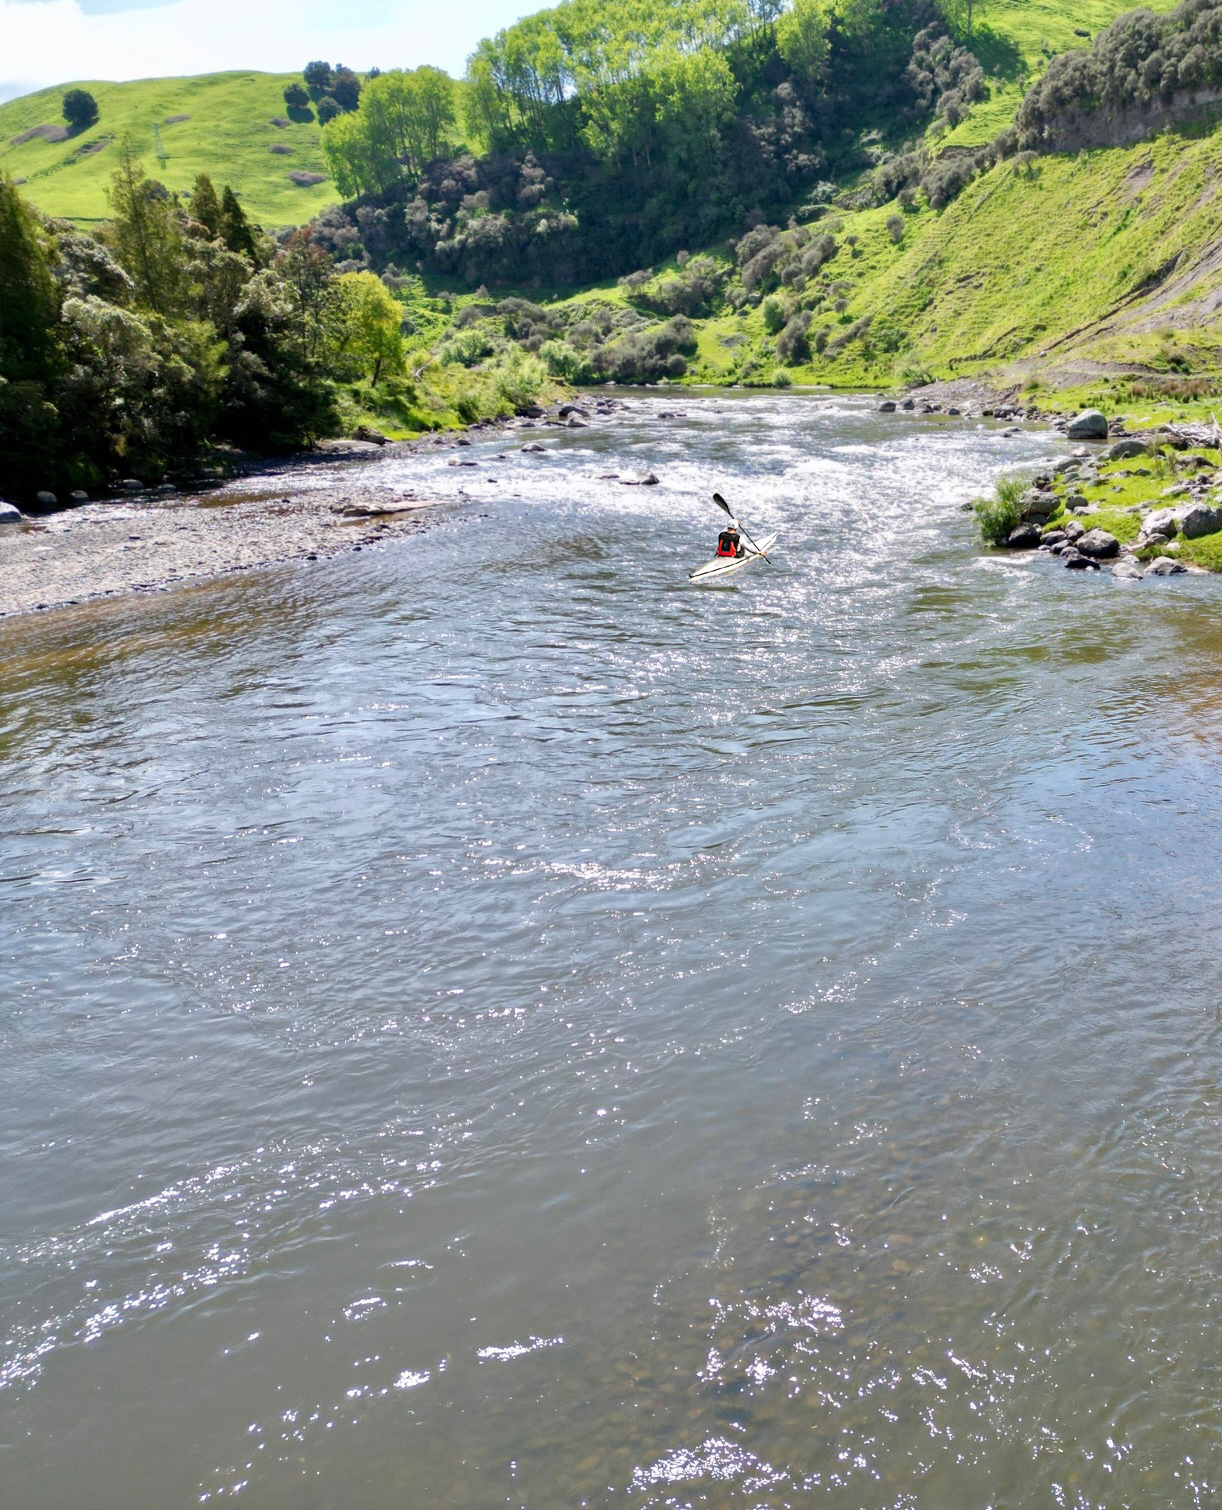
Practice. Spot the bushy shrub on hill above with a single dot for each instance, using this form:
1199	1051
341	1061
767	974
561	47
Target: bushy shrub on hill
611	134
1140	59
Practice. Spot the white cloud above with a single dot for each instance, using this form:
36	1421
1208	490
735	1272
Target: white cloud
44	42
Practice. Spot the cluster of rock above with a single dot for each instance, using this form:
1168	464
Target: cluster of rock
1084	549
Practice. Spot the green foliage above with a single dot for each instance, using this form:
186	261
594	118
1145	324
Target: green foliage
317	76
146	235
802	39
346	89
563	362
29	296
80	109
368	342
773	311
997	516
1138	60
204	205
328	108
406	120
296	96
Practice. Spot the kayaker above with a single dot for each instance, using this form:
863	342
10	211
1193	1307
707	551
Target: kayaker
729	543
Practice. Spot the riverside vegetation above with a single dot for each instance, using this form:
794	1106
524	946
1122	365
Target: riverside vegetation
746	191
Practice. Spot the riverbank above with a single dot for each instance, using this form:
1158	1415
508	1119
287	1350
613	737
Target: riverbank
300	508
151	543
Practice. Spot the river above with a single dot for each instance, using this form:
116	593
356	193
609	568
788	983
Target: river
489	1024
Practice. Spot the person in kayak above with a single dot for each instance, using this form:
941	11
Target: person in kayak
729	543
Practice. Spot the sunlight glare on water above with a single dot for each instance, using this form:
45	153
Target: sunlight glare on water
487	1023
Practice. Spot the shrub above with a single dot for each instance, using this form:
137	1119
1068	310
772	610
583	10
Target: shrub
911	371
563	362
346	89
773	310
466	347
328	109
998	515
296	96
317	76
519	379
782	379
895	228
80	109
792	346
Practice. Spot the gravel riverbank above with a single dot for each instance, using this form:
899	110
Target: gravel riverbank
301	510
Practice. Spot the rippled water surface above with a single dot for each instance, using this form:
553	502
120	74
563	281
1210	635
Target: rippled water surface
488	1024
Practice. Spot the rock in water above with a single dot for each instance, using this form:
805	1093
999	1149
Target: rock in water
1166	567
887	406
1098	545
534	449
46	500
1091	424
1200	520
641	480
9	513
1128	570
1024	538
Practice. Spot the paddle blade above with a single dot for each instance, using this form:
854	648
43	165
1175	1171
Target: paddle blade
722	504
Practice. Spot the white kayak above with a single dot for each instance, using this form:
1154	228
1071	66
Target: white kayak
721	567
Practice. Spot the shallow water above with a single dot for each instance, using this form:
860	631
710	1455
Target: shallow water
489	1024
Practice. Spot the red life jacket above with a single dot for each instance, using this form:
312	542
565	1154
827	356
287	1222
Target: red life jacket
727	543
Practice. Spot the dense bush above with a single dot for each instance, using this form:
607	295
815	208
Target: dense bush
793	346
132	354
997	516
1140	59
611	135
296	96
80	109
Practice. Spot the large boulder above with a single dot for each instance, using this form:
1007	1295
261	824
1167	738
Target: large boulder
1037	504
9	513
887	406
46	500
1098	545
1200	519
1161	522
1121	450
1024	538
1166	567
1091	424
1128	570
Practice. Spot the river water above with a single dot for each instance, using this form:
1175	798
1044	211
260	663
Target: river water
489	1024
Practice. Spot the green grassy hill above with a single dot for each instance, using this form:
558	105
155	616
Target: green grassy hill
224	124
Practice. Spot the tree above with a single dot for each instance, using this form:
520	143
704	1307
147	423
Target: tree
368	325
317	76
235	230
802	40
405	121
328	109
204	206
296	97
146	234
80	109
346	89
29	295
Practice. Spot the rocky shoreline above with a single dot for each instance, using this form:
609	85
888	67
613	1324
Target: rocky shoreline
149	539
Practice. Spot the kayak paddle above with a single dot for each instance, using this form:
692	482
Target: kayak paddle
722	504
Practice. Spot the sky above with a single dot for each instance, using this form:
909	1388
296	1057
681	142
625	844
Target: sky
44	42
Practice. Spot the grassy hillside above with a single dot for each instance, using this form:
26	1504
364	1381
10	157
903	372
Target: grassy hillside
220	123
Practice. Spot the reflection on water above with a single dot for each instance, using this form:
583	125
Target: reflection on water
491	1024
